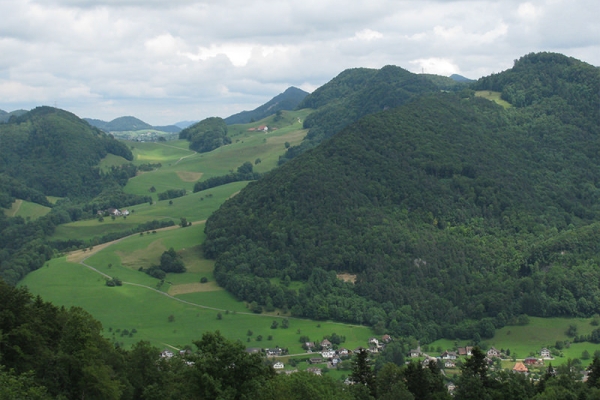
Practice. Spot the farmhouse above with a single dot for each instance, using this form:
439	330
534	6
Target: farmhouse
545	353
326	344
449	355
415	353
274	352
314	370
449	364
493	352
278	365
530	361
328	353
316	360
520	368
465	351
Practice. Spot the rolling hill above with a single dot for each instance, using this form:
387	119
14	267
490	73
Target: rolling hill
452	214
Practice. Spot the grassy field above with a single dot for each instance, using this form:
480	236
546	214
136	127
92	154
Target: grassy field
181	167
528	340
193	207
493	96
26	209
64	281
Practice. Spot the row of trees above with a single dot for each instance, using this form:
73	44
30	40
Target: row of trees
244	172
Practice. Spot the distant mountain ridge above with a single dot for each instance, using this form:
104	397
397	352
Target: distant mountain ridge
129	123
285	101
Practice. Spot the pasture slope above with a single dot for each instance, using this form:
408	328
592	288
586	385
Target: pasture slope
175	313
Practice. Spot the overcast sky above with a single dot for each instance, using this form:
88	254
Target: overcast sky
165	61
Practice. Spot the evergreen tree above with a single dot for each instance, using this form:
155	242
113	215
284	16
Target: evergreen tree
362	372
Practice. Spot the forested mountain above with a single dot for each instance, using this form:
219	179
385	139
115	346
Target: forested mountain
287	100
56	153
50	152
358	92
455	215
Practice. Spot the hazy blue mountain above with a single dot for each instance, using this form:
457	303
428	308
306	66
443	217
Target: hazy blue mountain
185	124
460	78
5	116
123	124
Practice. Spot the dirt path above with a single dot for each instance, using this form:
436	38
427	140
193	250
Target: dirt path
14	212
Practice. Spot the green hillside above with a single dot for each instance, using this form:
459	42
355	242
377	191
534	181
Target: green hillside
455	214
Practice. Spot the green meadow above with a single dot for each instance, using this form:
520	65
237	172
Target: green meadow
26	210
193	207
493	96
182	168
142	304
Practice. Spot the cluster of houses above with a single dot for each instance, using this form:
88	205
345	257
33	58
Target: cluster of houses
324	353
113	212
449	358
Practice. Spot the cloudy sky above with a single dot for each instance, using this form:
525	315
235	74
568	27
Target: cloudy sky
165	61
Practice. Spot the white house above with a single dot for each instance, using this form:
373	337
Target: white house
545	353
328	354
278	365
493	352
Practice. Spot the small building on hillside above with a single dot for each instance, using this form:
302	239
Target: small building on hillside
278	365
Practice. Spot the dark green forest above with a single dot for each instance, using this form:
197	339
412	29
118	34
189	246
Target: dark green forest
456	215
206	135
358	92
47	352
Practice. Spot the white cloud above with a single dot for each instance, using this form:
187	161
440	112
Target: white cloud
437	66
368	34
165	61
